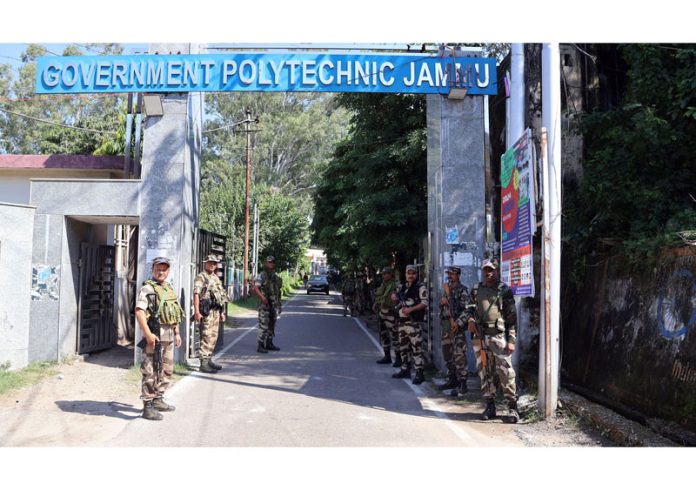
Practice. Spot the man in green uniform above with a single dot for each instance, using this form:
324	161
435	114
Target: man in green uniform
452	305
267	287
413	298
492	318
158	314
384	307
348	294
209	304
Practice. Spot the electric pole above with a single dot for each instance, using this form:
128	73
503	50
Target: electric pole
245	292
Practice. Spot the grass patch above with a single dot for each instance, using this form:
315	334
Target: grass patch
242	306
33	373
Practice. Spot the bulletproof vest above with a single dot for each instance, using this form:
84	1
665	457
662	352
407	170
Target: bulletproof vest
215	292
384	300
270	286
412	298
349	287
456	290
488	301
170	313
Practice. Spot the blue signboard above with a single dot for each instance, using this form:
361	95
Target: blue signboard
261	72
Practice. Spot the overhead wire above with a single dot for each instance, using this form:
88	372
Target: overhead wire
53	123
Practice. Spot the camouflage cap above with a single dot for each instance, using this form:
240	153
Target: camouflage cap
411	267
454	269
387	270
492	263
270	258
211	258
160	260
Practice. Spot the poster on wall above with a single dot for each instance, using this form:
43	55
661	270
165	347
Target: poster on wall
45	282
518	216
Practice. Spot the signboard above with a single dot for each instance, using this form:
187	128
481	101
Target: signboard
263	72
518	218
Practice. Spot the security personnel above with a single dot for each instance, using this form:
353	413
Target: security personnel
209	304
267	287
348	294
413	301
452	305
157	304
492	318
384	307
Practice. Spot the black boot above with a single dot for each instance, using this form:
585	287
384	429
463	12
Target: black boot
150	413
213	364
161	406
512	417
404	373
419	378
451	383
462	388
206	367
397	360
386	359
270	345
489	413
261	348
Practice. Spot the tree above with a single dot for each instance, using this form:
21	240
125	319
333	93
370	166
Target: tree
371	204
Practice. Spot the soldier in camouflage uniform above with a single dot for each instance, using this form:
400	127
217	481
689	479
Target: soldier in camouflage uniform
157	299
413	298
267	287
384	307
456	302
348	295
493	318
209	296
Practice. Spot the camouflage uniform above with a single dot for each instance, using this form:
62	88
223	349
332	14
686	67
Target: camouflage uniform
411	326
209	288
154	384
270	284
388	333
348	294
454	344
493	308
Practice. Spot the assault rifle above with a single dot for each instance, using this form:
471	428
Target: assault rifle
154	327
451	309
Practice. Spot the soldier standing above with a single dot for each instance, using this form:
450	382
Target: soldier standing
209	303
158	314
384	307
493	318
452	305
348	295
413	297
267	287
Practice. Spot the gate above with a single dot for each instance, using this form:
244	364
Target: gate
96	329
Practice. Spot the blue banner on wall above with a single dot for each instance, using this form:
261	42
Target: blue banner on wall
263	72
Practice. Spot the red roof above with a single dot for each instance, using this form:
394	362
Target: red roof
71	162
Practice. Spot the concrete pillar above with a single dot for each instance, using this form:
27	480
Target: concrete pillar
456	197
169	192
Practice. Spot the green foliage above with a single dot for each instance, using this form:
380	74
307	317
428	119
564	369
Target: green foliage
371	202
22	135
638	172
33	373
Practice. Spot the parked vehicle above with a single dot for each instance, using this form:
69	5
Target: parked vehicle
318	282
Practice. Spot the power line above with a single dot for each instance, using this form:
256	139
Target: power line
77	128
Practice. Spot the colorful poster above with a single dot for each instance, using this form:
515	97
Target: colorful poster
518	216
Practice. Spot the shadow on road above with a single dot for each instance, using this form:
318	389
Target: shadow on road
98	408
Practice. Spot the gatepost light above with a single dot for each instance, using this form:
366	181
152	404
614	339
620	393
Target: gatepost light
153	105
456	93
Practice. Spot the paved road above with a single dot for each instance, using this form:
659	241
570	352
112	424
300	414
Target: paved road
323	388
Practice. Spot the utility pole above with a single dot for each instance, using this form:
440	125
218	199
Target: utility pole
245	292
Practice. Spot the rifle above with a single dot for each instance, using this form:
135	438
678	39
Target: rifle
448	294
154	327
479	332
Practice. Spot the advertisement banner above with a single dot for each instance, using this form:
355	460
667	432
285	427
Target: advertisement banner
265	72
518	219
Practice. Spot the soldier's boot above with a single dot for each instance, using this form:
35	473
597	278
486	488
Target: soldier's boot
161	406
270	346
450	384
150	413
206	367
489	412
512	417
386	359
462	389
419	378
397	360
214	364
261	348
344	311
403	373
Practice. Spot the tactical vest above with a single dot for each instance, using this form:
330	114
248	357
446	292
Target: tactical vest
455	299
384	301
488	306
214	291
412	298
170	313
349	287
269	287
